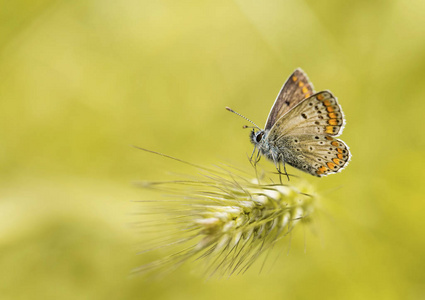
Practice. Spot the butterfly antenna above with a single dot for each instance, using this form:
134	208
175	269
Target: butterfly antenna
231	110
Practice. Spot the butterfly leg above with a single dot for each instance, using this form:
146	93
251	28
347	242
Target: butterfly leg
280	173
257	159
284	168
284	172
277	161
280	161
252	156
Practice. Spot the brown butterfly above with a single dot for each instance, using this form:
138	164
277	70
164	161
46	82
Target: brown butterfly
301	130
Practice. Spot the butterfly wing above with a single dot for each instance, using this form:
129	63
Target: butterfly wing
296	88
318	157
305	136
318	114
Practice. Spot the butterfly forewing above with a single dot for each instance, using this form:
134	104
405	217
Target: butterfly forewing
318	114
296	88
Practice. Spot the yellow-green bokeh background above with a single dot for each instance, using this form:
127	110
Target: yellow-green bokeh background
81	81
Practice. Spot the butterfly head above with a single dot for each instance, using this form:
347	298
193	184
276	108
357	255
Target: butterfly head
257	137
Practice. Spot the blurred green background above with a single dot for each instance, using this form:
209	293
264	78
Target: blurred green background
82	81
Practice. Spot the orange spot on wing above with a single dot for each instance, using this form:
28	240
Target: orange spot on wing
327	102
339	150
332	115
340	156
331	165
307	95
336	160
329	138
332	122
320	97
330	109
301	84
294	78
329	129
305	90
335	143
321	170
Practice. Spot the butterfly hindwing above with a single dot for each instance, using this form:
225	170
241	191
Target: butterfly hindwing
296	88
318	155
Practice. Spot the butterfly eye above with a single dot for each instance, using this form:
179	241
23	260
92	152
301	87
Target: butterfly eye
259	137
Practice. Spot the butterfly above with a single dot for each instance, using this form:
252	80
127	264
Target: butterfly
301	130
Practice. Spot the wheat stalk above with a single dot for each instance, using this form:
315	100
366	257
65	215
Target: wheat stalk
222	218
